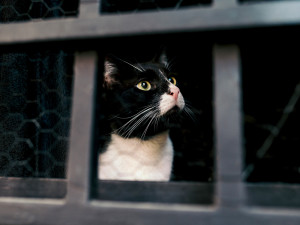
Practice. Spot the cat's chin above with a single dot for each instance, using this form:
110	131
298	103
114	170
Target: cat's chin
173	111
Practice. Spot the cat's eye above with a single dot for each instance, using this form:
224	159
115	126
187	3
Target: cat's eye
172	80
144	85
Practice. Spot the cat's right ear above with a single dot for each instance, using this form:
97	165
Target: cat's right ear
111	72
161	57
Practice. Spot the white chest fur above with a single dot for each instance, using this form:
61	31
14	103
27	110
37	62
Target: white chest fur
134	159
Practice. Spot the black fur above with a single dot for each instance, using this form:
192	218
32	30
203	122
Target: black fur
123	100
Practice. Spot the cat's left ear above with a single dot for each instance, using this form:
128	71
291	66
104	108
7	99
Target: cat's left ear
111	72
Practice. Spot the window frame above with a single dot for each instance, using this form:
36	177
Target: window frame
234	202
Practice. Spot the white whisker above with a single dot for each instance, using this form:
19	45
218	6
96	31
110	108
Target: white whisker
139	69
136	120
139	65
135	115
145	131
136	124
140	112
190	113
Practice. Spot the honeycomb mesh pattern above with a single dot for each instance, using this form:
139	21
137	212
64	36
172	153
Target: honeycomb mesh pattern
25	10
35	99
119	6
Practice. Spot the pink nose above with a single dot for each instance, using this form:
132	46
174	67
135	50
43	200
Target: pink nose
174	91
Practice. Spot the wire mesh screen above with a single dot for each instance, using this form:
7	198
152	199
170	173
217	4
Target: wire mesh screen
118	6
35	99
25	10
192	137
271	105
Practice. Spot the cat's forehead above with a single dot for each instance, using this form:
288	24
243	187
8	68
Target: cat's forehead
154	69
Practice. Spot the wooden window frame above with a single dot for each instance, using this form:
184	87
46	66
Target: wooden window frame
228	201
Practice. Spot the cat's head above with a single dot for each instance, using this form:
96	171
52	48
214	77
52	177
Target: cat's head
141	98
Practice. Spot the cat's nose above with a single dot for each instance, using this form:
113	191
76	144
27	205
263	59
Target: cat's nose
174	91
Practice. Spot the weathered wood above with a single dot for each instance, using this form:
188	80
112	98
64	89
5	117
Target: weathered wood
161	192
147	214
187	193
81	137
228	125
137	206
225	3
273	195
32	187
195	19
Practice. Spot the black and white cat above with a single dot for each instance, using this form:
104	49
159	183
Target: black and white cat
140	101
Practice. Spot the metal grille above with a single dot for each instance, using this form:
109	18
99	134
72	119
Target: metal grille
119	6
25	10
271	104
35	99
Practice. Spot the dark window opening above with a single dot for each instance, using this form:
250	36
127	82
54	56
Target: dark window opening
192	137
35	106
118	6
25	10
271	92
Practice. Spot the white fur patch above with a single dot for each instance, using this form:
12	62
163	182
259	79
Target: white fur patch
135	159
167	102
109	69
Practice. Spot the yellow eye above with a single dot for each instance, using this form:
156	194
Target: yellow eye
144	85
172	80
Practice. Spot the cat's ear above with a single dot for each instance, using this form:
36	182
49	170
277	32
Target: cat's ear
111	72
161	57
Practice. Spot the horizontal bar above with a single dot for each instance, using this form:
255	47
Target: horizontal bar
258	195
161	192
115	214
32	187
183	20
273	195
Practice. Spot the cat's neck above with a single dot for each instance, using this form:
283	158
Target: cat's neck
153	144
136	159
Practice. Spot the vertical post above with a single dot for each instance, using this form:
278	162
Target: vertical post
228	126
81	138
89	8
225	3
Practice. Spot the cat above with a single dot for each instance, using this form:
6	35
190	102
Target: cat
141	101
